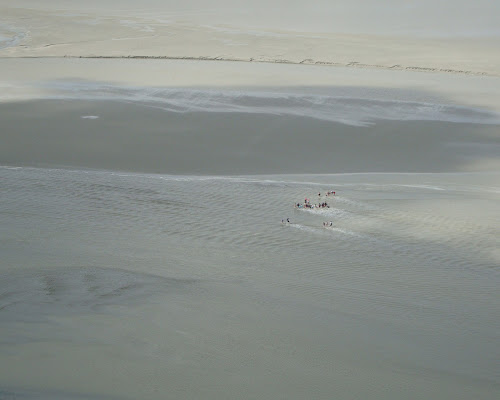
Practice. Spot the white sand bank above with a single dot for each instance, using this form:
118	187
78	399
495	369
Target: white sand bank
274	33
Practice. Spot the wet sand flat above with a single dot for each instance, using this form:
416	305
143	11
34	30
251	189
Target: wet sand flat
191	285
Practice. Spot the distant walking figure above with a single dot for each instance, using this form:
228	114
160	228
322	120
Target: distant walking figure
288	220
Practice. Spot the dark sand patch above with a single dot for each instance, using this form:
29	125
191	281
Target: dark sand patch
137	138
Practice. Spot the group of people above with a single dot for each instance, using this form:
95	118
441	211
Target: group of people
307	204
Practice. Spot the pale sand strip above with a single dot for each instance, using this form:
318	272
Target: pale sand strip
309	61
53	33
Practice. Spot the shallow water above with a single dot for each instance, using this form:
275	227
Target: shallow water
164	286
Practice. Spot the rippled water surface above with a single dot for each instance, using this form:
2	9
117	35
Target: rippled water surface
160	286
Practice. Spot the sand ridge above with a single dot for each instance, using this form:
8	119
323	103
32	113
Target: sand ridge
309	61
